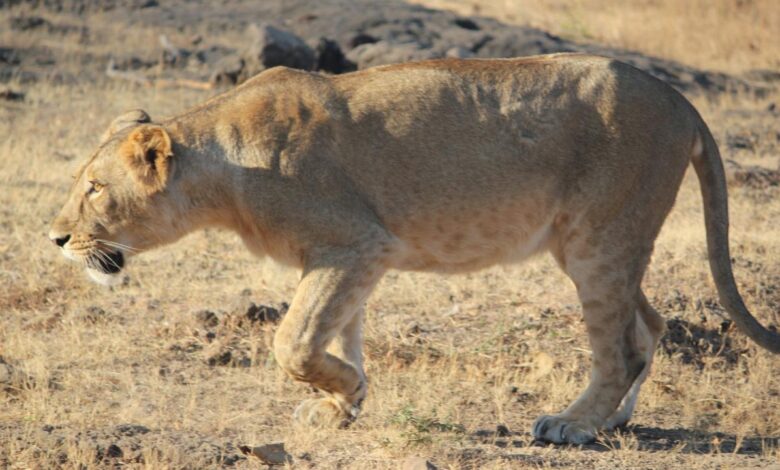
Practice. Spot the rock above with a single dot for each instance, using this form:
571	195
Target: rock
130	430
207	318
466	23
270	454
10	95
330	58
9	56
417	463
459	53
694	343
134	63
750	175
263	314
385	52
24	23
220	359
502	431
113	451
271	47
360	39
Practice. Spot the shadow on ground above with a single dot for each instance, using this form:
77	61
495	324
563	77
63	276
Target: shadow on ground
648	439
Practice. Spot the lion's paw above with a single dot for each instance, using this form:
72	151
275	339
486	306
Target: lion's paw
322	413
560	430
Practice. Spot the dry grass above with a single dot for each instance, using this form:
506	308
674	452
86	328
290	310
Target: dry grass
449	358
726	35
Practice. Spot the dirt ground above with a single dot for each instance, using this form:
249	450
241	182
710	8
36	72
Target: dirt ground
174	369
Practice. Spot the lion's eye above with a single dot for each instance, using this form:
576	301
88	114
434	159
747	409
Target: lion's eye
94	187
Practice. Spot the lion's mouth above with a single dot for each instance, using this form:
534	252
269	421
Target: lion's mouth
108	262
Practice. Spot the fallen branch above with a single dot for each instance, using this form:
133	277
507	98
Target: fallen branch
113	72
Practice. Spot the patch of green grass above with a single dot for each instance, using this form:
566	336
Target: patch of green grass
420	429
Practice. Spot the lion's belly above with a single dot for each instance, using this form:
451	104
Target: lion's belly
456	242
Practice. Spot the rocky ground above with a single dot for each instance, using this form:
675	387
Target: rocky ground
174	369
335	36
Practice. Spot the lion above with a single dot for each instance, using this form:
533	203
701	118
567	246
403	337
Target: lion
443	165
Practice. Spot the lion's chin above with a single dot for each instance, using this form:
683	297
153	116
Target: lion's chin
103	278
106	269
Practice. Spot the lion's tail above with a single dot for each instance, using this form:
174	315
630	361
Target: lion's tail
712	179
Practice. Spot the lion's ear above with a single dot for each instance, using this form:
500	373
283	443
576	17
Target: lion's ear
130	118
147	153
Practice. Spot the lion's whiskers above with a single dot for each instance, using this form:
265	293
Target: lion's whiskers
103	256
121	246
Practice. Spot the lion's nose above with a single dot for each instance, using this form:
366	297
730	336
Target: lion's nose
61	241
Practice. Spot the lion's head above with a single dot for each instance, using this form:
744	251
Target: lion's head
118	204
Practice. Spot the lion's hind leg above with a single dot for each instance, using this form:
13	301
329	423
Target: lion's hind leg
607	277
650	327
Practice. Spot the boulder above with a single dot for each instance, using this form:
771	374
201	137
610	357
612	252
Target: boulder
271	47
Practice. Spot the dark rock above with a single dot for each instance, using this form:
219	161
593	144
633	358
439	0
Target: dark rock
113	451
270	454
263	314
502	431
10	95
466	23
331	59
134	63
9	56
692	343
130	430
24	23
207	318
397	30
360	39
220	359
271	47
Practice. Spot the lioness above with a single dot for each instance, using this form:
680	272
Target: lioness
443	165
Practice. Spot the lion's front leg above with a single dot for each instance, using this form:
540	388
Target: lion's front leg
320	341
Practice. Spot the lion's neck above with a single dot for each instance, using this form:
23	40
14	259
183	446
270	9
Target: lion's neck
216	188
201	182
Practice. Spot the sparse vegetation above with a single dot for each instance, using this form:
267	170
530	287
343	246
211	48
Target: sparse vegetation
459	366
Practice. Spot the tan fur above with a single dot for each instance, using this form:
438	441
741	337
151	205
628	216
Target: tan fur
449	166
